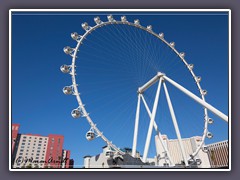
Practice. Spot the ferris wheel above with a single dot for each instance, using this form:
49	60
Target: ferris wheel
159	78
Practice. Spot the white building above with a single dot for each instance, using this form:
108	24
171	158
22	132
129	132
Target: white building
98	161
31	151
189	144
107	159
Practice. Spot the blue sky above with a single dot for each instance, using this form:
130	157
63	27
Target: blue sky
113	62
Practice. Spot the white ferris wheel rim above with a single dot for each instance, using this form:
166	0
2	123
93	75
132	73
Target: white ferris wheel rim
180	55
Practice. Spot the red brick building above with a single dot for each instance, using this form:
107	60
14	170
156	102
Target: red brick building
54	151
15	128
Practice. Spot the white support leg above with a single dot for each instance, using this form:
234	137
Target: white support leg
175	124
158	132
136	128
196	98
152	121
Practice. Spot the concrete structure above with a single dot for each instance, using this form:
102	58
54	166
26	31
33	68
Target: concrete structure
189	144
218	154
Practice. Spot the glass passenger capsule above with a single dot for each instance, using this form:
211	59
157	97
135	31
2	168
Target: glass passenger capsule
149	27
68	50
85	26
161	35
67	90
65	68
97	20
123	19
137	22
209	135
76	113
90	135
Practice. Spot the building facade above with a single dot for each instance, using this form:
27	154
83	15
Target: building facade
31	151
218	154
36	151
190	145
15	128
98	161
54	151
66	163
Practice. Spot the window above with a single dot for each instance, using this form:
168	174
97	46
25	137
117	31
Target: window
39	144
40	141
22	147
37	157
32	150
39	147
38	151
28	143
21	150
23	140
24	137
37	154
20	153
16	128
40	138
23	143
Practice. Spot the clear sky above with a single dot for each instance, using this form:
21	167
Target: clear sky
112	63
